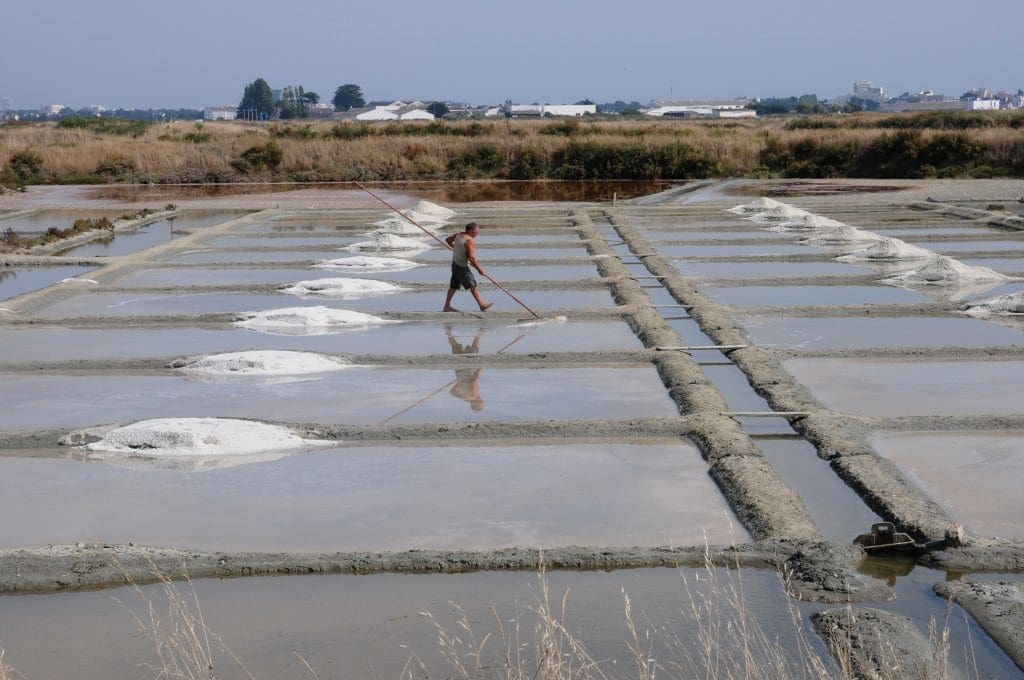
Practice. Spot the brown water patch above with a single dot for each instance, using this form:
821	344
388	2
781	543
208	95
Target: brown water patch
445	192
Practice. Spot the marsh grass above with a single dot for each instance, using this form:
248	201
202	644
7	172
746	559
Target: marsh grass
848	146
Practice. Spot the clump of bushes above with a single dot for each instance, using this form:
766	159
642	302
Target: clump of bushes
78	227
24	166
292	131
116	169
591	160
483	160
259	157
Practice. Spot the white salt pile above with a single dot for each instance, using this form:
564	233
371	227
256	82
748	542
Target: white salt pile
945	271
307	320
1011	304
262	362
410	218
194	443
388	242
756	206
780	213
397	225
439	211
840	235
888	250
808	223
345	289
368	263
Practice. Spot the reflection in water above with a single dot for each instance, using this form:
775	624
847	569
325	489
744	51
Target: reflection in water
8	273
446	192
467	380
887	569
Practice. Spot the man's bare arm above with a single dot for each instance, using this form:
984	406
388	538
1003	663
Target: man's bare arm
471	256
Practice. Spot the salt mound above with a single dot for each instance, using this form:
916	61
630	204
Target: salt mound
808	223
842	234
888	250
400	227
307	320
346	289
756	206
187	444
1003	305
411	218
262	362
942	271
368	263
780	213
388	242
197	437
428	208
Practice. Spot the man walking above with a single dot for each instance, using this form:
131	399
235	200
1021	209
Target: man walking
463	247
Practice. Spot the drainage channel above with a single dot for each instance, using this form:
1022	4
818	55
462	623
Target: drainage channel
836	509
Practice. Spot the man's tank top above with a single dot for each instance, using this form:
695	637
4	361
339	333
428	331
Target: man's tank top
459	255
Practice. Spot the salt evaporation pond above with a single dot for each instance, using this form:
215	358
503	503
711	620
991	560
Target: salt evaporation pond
973	246
469	496
658	235
14	282
860	333
733	251
764	270
791	296
245	256
356	396
57	343
913	388
977	474
148	304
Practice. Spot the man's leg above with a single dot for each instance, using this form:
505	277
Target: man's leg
448	300
484	306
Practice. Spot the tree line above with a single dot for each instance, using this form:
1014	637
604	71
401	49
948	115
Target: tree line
259	103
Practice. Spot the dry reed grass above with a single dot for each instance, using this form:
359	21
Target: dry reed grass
163	153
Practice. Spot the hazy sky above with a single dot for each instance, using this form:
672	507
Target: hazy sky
187	53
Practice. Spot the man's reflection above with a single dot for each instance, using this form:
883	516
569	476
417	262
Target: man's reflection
467	380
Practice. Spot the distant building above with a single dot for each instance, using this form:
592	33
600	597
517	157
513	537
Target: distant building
929	101
220	113
52	109
510	110
863	89
707	108
417	114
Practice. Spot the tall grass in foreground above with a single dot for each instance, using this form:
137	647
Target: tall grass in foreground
724	642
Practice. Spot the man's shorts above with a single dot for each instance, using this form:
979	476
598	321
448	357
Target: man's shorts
462	277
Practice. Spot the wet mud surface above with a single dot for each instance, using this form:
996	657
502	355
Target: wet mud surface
800	336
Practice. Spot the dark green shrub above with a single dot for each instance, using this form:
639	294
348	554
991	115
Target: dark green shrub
349	131
529	164
591	160
118	168
260	157
484	160
26	166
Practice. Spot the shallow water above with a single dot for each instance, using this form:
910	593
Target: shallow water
1006	265
41	220
732	251
656	235
205	276
369	625
244	256
53	343
131	304
791	296
357	395
380	498
858	332
121	244
909	233
970	246
900	388
837	510
755	270
976	474
15	282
